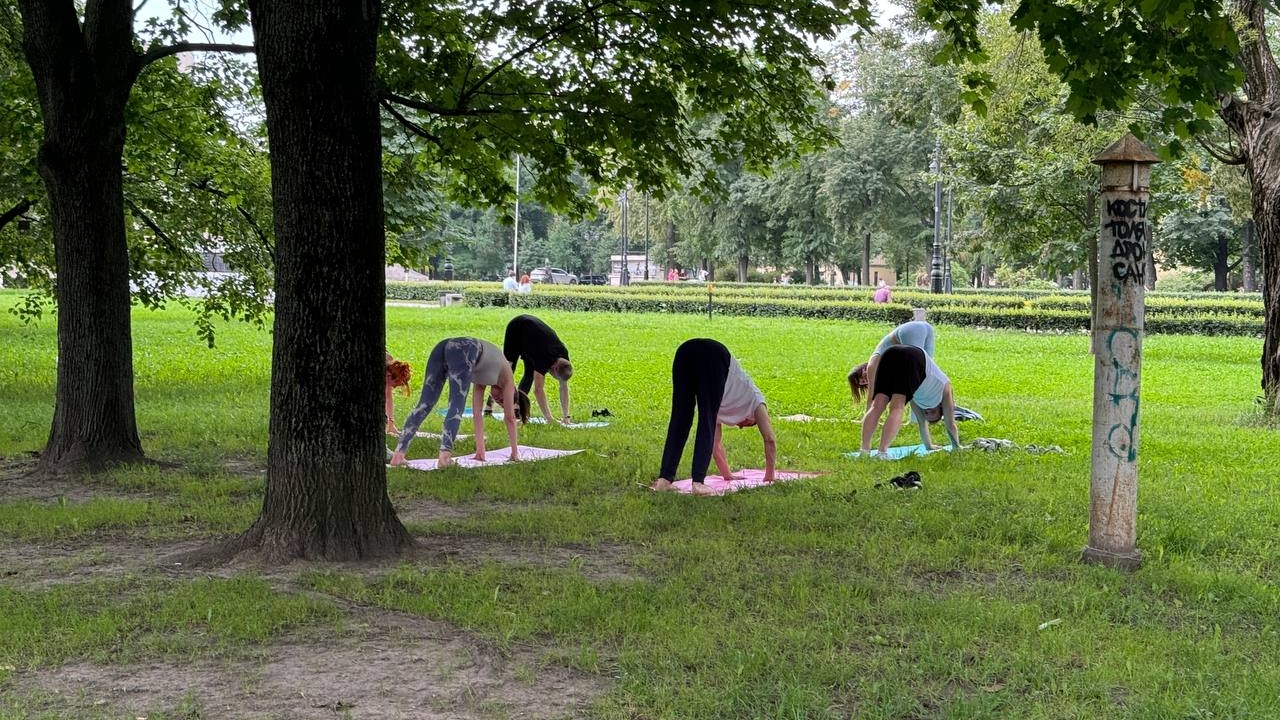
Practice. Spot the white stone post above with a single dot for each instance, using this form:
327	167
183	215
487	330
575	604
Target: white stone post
1123	249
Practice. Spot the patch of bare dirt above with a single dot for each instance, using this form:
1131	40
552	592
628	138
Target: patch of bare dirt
37	565
393	666
18	483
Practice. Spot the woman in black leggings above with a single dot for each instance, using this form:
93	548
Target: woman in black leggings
704	375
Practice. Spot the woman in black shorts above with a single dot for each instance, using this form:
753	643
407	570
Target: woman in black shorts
908	375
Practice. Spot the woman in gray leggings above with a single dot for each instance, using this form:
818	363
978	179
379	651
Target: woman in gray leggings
466	364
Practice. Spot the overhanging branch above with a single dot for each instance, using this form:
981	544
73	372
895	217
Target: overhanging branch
206	186
410	125
156	53
15	212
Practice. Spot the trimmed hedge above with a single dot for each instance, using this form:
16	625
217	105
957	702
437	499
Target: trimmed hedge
1162	306
1060	312
636	302
1014	319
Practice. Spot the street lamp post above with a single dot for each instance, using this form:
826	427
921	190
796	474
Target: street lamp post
935	265
646	236
625	277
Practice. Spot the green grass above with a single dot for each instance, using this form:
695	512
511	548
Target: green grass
825	598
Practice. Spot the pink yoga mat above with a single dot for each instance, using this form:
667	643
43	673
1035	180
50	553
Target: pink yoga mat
499	456
751	478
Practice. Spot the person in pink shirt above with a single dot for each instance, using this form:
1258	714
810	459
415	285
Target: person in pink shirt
883	294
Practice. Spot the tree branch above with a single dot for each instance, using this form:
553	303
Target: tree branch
1220	154
146	220
206	186
154	54
410	125
15	212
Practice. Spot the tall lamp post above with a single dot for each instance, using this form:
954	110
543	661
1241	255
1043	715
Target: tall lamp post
935	265
625	277
646	236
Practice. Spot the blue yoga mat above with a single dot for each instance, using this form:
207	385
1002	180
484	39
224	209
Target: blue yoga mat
901	451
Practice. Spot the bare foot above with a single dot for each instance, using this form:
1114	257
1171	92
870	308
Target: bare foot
702	489
662	485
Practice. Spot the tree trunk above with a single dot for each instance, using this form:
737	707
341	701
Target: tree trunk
866	259
83	78
1248	251
1220	265
1256	126
326	494
744	267
1266	213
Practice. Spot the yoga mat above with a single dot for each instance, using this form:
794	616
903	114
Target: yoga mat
501	456
751	478
901	451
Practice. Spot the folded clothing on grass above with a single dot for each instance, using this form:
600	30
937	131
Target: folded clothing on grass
745	480
900	451
437	436
498	415
500	456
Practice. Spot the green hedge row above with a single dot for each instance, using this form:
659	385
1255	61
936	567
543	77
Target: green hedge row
1041	320
1024	293
1062	312
1161	306
636	302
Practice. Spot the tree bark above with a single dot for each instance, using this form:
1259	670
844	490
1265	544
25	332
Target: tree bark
326	495
83	79
1255	121
744	267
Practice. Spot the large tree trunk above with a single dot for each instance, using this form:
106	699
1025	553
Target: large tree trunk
83	78
744	267
326	495
1256	124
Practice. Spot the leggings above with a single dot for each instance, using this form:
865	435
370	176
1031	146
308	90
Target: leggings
451	360
916	333
698	374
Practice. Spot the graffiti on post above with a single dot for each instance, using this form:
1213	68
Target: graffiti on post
1123	346
1127	226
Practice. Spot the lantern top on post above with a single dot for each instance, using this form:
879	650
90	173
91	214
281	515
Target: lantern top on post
1127	149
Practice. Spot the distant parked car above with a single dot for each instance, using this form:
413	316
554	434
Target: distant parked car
594	280
553	276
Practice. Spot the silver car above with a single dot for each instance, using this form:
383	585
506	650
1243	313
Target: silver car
555	276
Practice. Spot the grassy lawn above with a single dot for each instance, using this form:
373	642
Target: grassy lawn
820	598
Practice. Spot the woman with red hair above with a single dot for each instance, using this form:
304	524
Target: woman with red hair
398	374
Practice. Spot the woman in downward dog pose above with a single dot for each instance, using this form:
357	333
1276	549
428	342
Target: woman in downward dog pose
465	364
916	333
704	375
907	375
